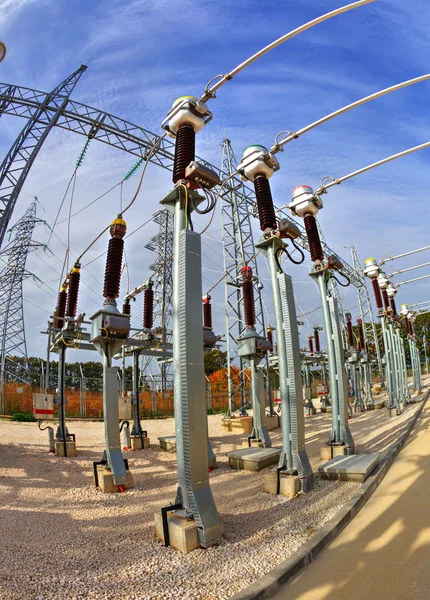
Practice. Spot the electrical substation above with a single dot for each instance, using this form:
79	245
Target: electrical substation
195	431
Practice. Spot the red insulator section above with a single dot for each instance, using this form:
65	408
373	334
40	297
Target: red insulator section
207	312
248	296
73	291
393	306
113	268
317	340
126	308
349	330
377	292
361	333
266	210
148	307
385	299
185	151
270	336
311	344
60	309
314	241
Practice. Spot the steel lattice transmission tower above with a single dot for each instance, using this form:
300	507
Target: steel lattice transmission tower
238	250
366	313
18	161
12	274
162	244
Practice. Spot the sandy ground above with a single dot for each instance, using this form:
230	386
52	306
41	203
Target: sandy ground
64	540
384	551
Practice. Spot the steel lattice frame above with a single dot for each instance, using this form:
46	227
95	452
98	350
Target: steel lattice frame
162	244
366	312
12	274
238	250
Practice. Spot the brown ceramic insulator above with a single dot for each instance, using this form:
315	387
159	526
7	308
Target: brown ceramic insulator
270	337
385	299
185	151
361	333
393	306
411	325
248	303
61	309
377	292
207	313
314	241
266	210
317	340
113	268
73	291
349	331
126	308
311	344
148	308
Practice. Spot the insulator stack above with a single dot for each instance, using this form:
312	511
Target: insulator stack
393	306
184	151
248	297
314	241
126	307
72	296
361	333
411	325
266	210
270	336
61	307
148	306
377	292
349	330
207	311
317	340
114	260
311	344
385	299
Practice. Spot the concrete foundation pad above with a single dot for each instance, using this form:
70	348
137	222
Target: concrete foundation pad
168	442
253	459
326	452
272	423
289	484
392	412
326	409
136	442
182	532
70	448
237	424
375	405
310	412
106	483
357	467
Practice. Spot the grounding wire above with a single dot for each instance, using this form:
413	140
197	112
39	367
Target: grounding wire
61	204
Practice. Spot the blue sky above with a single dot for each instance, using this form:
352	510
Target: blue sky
144	54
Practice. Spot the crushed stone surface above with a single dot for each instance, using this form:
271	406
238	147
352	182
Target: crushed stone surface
61	539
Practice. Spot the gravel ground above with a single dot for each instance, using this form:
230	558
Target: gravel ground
64	540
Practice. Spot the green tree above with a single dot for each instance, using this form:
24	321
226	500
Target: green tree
215	360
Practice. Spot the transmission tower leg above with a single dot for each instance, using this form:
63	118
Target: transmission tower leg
340	434
194	493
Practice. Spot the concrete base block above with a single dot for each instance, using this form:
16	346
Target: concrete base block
182	532
168	442
272	423
106	483
326	450
357	467
326	409
70	448
289	484
237	424
253	459
392	412
309	412
377	405
357	410
136	442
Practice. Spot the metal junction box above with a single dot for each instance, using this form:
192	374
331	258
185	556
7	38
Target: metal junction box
124	406
43	406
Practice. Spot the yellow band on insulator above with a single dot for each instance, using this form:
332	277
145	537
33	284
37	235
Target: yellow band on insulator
119	222
76	270
64	288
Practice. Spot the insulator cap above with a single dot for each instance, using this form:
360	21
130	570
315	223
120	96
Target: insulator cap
118	227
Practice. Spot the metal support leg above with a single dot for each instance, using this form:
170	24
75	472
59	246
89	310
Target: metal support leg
137	427
259	429
62	433
114	456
